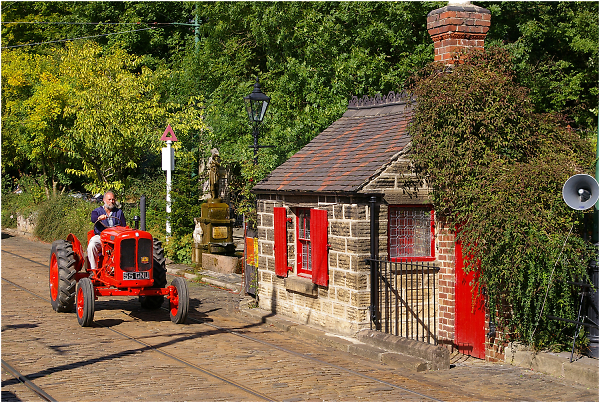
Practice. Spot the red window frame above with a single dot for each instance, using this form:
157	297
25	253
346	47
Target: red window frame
402	233
304	254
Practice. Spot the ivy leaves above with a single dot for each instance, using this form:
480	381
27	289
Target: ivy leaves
497	167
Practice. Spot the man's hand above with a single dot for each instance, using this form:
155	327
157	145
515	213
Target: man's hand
102	217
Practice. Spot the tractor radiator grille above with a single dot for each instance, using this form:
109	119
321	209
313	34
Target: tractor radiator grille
128	255
145	252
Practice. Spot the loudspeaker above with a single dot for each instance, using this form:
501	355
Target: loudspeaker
580	192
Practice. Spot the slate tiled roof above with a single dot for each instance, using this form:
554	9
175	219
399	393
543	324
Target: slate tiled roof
346	155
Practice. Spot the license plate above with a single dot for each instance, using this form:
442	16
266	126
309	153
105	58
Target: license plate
136	275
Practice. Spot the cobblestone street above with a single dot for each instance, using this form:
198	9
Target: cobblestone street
220	354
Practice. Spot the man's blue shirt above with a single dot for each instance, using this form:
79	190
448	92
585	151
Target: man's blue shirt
117	215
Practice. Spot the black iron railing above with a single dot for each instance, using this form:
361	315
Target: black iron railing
403	299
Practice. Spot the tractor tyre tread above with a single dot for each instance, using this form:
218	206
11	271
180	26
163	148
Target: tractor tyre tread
86	316
179	313
65	258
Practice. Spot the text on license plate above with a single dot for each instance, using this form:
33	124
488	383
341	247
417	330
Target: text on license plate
136	275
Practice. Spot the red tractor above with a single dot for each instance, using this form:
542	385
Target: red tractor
131	263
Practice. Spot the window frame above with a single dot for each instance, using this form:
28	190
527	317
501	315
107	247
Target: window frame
300	270
431	256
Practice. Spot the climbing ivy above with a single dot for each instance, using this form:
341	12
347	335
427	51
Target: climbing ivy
496	167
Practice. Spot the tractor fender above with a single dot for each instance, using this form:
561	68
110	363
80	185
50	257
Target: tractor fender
78	250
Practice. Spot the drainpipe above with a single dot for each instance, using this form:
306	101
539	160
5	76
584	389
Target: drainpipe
374	229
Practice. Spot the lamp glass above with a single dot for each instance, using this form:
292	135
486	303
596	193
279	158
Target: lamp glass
256	104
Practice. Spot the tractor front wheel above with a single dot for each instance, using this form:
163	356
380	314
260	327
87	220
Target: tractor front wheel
62	276
179	305
85	302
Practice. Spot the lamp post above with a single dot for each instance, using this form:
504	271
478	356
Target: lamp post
256	106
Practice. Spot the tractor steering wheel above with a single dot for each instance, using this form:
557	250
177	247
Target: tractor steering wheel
115	222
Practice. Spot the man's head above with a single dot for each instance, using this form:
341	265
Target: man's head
109	201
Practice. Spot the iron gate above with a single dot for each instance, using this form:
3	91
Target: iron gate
403	299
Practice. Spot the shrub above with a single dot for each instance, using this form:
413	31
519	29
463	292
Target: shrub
62	215
179	249
25	203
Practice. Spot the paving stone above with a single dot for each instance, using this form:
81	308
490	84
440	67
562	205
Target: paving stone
95	364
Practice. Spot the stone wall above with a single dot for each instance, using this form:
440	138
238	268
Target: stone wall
343	305
398	183
26	225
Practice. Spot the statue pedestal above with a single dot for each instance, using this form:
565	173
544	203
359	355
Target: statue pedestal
221	264
217	228
197	251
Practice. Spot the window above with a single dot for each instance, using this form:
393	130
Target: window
411	233
304	247
311	244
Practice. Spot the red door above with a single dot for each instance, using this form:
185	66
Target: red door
469	325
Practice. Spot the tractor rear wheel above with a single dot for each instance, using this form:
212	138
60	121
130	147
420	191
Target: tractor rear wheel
85	302
62	276
180	304
159	273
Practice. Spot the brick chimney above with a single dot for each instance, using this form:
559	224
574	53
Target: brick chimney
457	26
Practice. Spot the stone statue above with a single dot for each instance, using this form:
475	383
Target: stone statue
214	164
198	232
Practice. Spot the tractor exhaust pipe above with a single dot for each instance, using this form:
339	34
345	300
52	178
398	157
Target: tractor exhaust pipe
143	212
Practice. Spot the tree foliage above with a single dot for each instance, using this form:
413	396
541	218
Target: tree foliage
496	167
141	28
555	52
89	113
310	57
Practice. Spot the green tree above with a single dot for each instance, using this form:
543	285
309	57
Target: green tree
555	51
117	114
310	57
33	118
144	29
89	112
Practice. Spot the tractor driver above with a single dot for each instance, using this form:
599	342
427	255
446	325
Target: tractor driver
105	216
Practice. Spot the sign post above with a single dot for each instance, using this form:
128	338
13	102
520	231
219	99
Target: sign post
168	164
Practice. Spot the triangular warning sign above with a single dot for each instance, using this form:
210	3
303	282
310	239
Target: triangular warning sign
168	134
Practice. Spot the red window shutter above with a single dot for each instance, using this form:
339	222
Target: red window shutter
318	240
281	259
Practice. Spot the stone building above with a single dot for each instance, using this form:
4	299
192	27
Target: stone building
314	214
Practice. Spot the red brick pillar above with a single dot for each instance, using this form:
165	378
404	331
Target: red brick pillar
457	26
446	285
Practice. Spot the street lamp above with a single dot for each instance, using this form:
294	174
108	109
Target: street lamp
256	106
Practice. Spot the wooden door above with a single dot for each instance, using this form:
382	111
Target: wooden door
469	322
